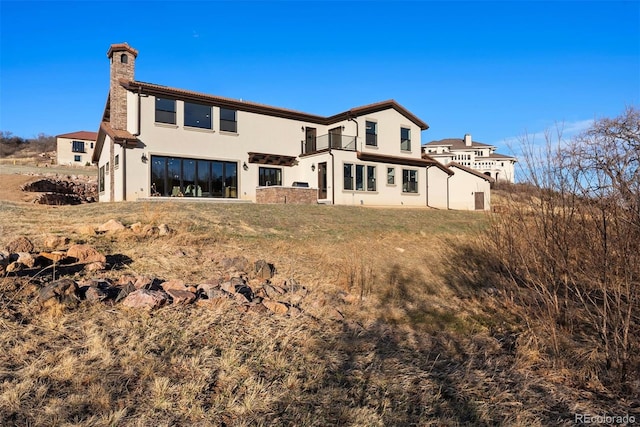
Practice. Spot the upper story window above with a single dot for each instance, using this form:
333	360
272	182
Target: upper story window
165	110
405	139
228	120
372	134
124	58
77	147
197	115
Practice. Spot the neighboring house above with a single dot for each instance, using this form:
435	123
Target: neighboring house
161	141
75	148
475	155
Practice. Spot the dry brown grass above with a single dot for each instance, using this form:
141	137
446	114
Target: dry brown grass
423	342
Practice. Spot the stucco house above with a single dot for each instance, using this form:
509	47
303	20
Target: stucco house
475	155
75	148
159	141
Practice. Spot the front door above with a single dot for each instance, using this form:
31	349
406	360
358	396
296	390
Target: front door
310	140
479	201
322	180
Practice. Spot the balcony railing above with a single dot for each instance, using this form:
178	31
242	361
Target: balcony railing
324	142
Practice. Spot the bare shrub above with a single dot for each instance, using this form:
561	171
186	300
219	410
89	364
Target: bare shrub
571	243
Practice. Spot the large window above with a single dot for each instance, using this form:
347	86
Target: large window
178	177
409	181
269	176
405	139
372	134
364	177
165	110
77	147
197	115
228	120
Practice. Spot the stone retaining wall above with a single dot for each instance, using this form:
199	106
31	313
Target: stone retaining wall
291	195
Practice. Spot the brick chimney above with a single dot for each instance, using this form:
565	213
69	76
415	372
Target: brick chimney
467	140
123	61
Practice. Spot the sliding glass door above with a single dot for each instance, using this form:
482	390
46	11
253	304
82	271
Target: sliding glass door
178	177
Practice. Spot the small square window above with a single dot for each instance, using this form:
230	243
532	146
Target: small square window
197	115
228	120
165	110
77	158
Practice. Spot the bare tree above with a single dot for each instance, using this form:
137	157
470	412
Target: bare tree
573	241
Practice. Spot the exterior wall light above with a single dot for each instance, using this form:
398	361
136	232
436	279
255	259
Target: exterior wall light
144	158
245	166
313	167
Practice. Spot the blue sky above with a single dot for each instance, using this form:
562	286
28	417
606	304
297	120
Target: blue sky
496	70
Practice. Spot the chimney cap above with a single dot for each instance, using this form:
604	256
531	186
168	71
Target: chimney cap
119	47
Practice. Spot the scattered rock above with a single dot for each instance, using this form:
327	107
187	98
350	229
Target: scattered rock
145	299
150	230
94	294
14	267
181	297
256	309
136	227
164	230
64	291
263	269
85	254
55	256
238	263
294	311
87	230
55	242
271	291
95	266
111	226
26	259
275	307
229	287
175	284
21	244
145	282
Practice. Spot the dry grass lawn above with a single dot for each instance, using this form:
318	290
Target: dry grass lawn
421	343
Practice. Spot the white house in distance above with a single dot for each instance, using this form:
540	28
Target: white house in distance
474	155
75	148
159	141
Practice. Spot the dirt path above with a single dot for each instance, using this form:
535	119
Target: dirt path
10	188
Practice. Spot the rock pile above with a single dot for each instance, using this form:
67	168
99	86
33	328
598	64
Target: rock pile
250	287
71	190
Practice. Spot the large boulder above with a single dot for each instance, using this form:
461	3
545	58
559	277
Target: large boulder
85	254
64	291
111	226
21	244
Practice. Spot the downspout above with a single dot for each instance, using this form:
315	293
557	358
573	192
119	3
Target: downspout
124	172
428	186
448	176
333	178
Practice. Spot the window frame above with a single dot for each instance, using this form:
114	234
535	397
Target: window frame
359	177
225	122
405	143
262	182
208	125
78	147
406	181
101	179
391	173
116	161
371	138
159	112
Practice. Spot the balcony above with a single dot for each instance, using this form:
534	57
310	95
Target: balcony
328	141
